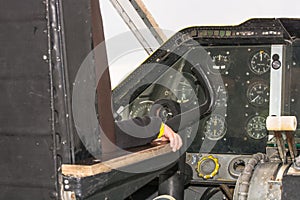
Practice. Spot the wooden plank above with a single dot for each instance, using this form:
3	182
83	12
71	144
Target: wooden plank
81	171
151	20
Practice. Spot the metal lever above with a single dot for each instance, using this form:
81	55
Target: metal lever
280	124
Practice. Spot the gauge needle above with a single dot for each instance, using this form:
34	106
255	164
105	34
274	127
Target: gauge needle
253	100
261	56
184	83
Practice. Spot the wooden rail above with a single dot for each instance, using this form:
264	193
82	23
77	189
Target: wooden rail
116	163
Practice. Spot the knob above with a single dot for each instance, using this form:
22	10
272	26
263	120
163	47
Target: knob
208	167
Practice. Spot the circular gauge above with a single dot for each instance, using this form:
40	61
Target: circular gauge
215	127
186	89
258	94
260	62
141	109
256	127
221	62
221	96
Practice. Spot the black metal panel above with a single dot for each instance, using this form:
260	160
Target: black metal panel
27	172
24	80
294	100
28	165
14	11
39	59
120	182
77	45
77	29
125	188
27	161
112	185
292	26
16	192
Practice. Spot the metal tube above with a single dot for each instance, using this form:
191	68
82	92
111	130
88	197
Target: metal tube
226	190
280	145
291	145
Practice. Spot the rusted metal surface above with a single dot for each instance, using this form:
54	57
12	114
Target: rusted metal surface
104	93
280	145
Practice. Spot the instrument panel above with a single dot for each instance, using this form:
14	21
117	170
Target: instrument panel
243	67
217	167
240	77
242	99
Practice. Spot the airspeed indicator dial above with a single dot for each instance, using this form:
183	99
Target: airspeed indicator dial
260	62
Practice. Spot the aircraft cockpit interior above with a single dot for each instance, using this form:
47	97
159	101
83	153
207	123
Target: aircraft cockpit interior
238	77
222	103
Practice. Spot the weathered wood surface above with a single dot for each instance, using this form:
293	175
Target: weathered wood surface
116	163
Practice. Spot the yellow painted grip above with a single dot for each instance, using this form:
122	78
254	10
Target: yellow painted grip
161	131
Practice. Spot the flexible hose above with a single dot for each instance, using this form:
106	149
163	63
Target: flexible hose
245	177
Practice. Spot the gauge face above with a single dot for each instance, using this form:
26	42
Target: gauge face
260	62
141	109
215	127
186	89
258	94
221	96
221	62
256	127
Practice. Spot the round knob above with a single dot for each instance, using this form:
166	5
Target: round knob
208	167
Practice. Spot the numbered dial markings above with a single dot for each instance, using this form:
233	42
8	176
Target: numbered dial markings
187	89
256	127
221	62
215	127
141	109
260	62
258	94
221	96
